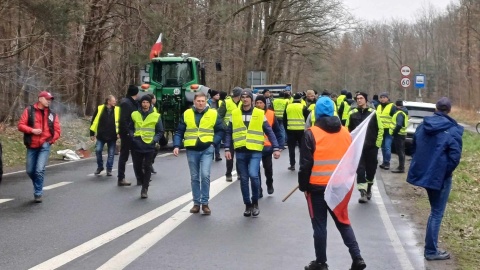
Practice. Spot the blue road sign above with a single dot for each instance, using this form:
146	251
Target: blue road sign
420	80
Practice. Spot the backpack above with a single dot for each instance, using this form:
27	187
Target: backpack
27	138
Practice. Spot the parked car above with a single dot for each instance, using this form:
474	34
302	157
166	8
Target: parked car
416	112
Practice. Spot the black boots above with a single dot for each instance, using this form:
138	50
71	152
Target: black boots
248	210
144	193
313	265
358	264
369	191
255	210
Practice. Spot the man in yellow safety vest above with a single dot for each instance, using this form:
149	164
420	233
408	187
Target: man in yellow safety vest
398	129
385	111
294	123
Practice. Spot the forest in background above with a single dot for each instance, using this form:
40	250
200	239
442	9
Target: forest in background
83	50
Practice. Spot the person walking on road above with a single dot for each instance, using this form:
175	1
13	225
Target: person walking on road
219	105
128	105
386	110
294	122
323	146
157	146
367	165
398	130
104	128
202	129
267	152
231	104
437	149
279	106
41	129
145	131
246	133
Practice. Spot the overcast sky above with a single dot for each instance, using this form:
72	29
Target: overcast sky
380	10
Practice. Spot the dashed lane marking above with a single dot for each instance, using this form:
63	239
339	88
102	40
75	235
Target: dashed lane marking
56	185
115	233
5	200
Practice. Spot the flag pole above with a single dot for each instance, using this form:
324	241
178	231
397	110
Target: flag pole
290	194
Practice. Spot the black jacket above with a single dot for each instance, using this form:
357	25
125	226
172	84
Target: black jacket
127	106
329	124
138	145
356	118
106	130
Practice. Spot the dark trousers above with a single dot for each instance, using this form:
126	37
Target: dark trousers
319	224
267	167
294	138
230	163
142	166
125	145
155	153
367	167
399	142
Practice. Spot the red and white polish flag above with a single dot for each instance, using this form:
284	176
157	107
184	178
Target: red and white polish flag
339	188
156	48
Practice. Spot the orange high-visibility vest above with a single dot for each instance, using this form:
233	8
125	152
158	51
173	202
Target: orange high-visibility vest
270	115
329	150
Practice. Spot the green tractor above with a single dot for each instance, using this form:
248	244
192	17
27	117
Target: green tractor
174	81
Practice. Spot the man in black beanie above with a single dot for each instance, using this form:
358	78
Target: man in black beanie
127	106
145	131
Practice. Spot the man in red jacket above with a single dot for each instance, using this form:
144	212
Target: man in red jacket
41	129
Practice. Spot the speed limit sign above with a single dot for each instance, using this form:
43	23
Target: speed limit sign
405	82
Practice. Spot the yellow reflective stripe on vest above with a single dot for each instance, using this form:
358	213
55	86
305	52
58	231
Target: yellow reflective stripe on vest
295	119
279	107
384	113
251	137
145	128
204	132
100	108
230	106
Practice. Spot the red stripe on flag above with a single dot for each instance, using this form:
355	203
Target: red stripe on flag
341	211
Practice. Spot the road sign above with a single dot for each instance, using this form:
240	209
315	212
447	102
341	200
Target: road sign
405	82
405	70
256	77
420	80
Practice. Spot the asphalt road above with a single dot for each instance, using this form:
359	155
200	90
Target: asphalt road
88	222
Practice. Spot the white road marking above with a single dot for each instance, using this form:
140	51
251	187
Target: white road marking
135	250
113	234
56	185
5	200
402	256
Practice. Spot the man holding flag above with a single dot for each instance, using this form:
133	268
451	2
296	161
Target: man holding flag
322	149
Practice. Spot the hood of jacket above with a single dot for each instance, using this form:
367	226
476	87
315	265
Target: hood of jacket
437	123
330	124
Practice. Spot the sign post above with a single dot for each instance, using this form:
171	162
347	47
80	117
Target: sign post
405	81
420	83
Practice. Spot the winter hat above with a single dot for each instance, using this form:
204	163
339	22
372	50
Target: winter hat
247	92
237	91
261	98
365	95
297	96
213	92
384	94
349	95
266	90
147	98
399	102
444	104
323	107
223	95
132	90
343	92
325	93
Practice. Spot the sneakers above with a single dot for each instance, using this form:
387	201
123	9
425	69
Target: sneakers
441	255
369	191
363	196
98	171
255	210
270	190
195	209
248	210
144	193
228	177
398	170
37	198
122	183
385	166
358	264
313	265
291	168
109	173
206	210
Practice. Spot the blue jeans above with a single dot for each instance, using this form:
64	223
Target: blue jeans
387	148
200	163
248	164
111	153
36	161
438	202
319	224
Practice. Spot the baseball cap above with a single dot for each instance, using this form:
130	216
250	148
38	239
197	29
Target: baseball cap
45	94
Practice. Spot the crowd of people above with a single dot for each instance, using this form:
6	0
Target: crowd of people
254	129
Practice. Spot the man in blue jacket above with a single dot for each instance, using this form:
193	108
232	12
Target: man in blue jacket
437	149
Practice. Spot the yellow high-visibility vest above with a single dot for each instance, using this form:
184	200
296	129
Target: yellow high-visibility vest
384	113
230	106
251	137
296	120
145	128
205	130
279	106
393	124
100	108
